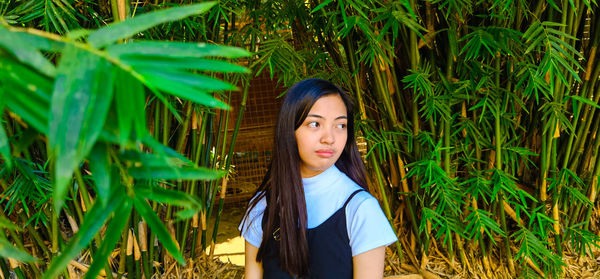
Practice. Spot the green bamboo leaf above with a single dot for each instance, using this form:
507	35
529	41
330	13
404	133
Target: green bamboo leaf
139	159
320	6
343	11
178	173
168	196
100	167
37	86
4	144
586	101
184	91
557	37
157	227
186	213
408	21
25	52
165	166
552	24
111	237
92	222
80	101
163	150
132	26
582	239
41	42
188	63
30	93
129	100
170	49
8	224
533	30
183	77
479	220
8	250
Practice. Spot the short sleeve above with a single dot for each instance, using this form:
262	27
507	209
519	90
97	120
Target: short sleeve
251	225
368	228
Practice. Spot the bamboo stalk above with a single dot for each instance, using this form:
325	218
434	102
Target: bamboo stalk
137	255
386	206
123	255
411	208
498	138
142	232
15	266
180	148
5	269
593	189
221	203
194	235
129	255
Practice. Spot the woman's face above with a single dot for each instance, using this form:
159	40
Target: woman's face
322	136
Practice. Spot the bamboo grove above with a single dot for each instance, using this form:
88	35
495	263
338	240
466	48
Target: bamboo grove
481	118
481	121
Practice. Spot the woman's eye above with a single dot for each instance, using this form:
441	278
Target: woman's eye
341	126
313	124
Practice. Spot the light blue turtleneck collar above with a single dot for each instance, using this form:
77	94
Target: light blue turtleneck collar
321	180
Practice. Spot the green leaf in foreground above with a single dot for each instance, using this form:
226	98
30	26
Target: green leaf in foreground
111	237
80	101
8	224
4	145
130	102
178	173
132	26
186	214
168	196
188	63
168	49
30	93
25	52
100	167
180	86
7	250
92	222
157	227
163	166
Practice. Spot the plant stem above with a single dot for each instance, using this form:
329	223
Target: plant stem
386	206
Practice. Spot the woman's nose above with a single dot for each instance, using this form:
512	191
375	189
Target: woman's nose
327	136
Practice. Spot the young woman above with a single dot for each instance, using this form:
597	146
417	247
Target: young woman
312	217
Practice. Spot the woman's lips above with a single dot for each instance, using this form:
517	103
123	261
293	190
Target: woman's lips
324	153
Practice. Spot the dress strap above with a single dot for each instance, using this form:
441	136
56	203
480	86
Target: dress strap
352	196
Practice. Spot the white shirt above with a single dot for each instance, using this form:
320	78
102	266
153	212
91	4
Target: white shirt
325	193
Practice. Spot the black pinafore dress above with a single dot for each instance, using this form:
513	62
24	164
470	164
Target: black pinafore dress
330	255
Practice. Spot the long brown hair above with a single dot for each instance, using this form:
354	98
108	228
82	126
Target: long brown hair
282	185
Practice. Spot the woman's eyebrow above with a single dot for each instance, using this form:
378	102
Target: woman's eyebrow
318	116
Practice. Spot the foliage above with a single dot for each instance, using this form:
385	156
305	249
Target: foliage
78	104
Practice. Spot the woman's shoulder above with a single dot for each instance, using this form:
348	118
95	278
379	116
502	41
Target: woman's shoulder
367	225
259	207
362	200
251	224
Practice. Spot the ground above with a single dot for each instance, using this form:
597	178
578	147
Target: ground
230	244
